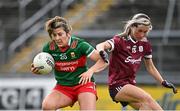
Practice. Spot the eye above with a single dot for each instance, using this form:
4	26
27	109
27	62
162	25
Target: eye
140	30
59	34
145	31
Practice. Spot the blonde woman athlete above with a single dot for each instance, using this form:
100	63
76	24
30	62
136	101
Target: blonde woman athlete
128	49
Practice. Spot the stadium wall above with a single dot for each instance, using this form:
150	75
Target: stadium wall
28	93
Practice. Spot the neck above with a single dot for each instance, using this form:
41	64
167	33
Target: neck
63	49
133	38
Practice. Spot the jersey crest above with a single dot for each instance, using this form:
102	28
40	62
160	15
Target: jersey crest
73	55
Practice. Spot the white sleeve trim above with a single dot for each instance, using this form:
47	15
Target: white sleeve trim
148	56
111	42
90	53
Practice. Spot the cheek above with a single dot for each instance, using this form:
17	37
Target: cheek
65	39
139	34
136	34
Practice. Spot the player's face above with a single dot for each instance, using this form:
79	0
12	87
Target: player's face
139	32
60	37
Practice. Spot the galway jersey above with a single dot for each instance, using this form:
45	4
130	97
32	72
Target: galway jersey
70	62
126	58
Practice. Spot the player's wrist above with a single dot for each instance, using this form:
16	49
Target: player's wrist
92	71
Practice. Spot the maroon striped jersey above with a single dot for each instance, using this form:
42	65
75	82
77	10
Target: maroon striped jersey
125	59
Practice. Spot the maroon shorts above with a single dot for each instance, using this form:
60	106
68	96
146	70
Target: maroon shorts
74	91
113	90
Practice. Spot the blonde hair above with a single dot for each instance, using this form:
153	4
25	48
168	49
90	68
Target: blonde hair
57	22
137	19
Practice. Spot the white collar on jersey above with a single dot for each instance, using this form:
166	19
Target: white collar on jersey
132	40
135	41
69	42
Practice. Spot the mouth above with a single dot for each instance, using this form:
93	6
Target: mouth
139	38
59	43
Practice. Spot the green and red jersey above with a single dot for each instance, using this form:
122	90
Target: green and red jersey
69	62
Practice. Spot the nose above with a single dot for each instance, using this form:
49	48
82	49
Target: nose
142	35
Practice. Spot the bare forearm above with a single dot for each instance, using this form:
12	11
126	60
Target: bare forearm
153	70
98	66
155	73
103	46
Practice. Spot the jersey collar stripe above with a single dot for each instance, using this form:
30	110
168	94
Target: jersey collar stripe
69	42
132	39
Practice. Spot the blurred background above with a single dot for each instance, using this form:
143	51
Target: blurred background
22	36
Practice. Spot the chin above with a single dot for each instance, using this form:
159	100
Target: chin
139	38
60	45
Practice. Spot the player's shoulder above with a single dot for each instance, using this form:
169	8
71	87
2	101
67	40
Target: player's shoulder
119	38
46	44
79	40
76	38
145	41
49	46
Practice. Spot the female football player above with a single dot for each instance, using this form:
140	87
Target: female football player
128	49
75	81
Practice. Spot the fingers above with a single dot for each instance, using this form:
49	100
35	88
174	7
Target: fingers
35	70
84	80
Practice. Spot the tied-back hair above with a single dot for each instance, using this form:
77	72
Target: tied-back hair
57	22
137	19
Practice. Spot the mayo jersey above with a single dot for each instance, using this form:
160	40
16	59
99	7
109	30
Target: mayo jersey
70	62
126	58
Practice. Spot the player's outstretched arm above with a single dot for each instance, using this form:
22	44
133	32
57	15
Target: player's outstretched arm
97	67
155	73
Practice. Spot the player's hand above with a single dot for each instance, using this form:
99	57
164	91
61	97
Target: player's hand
85	77
35	70
104	56
169	85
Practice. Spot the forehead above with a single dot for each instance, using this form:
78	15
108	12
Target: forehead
57	30
143	27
